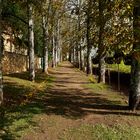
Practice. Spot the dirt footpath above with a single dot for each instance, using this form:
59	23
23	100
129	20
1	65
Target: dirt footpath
70	103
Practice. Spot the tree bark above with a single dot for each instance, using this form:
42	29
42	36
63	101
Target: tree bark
60	50
134	94
102	49
102	67
45	51
79	38
1	79
56	41
31	43
81	60
88	66
59	42
70	55
53	51
82	57
73	55
77	55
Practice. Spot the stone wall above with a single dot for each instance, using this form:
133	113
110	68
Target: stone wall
14	63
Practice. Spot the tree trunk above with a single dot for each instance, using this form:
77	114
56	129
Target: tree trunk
76	55
53	51
70	55
56	37
80	59
58	42
73	55
31	43
56	53
134	94
88	67
60	51
101	70
1	81
102	49
79	36
45	51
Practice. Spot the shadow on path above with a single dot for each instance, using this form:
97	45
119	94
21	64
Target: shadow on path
66	97
69	98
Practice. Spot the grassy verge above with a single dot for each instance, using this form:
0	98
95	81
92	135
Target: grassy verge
22	101
114	67
107	93
101	132
122	67
116	126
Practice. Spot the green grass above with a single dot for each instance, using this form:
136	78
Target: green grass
122	67
101	132
105	91
23	101
114	67
99	86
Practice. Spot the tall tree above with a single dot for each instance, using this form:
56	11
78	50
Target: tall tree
79	36
45	50
134	94
102	49
1	84
31	42
45	25
88	37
